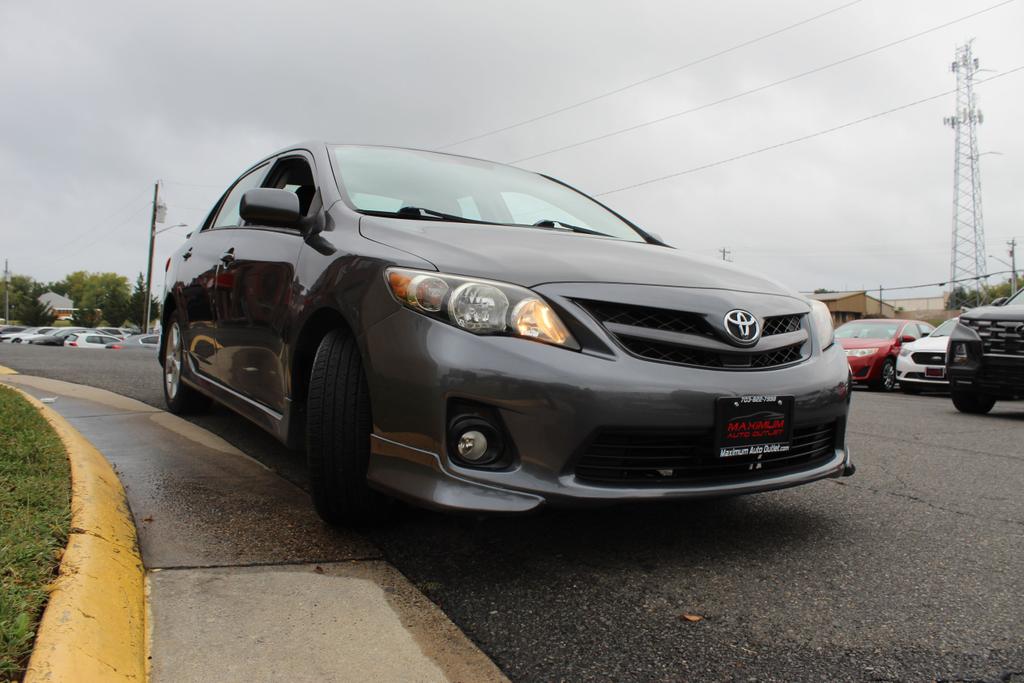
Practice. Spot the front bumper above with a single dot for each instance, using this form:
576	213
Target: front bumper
909	371
552	401
865	368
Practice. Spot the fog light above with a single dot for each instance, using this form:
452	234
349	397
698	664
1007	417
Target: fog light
472	445
959	352
475	442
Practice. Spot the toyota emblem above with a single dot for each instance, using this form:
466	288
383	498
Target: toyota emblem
743	327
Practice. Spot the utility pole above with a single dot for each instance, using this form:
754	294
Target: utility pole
7	294
1013	265
967	260
725	253
880	312
156	217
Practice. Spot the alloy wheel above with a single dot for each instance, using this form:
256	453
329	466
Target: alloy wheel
172	361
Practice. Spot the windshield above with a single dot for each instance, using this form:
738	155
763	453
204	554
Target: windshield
944	329
1016	300
868	329
419	185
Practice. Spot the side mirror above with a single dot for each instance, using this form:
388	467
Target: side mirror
269	206
1000	301
906	339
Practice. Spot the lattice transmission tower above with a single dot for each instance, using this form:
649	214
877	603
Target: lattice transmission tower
968	253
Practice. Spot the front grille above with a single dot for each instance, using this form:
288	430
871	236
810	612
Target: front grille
1003	337
928	358
781	324
684	322
651	318
629	457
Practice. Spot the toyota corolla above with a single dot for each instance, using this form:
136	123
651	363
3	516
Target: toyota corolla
470	336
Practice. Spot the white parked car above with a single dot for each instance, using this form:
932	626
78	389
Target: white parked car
89	340
28	334
922	363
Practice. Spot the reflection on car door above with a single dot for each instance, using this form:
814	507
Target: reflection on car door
254	293
200	268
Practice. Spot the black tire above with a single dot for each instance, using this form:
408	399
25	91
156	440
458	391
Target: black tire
338	428
910	388
887	377
180	398
972	402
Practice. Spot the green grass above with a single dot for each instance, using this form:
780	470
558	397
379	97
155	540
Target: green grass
35	491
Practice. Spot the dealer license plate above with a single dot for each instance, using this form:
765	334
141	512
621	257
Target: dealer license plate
754	426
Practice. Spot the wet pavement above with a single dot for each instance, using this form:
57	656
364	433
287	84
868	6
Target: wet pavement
910	570
244	581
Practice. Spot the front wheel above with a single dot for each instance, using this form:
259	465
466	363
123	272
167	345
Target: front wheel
887	377
338	428
180	398
972	402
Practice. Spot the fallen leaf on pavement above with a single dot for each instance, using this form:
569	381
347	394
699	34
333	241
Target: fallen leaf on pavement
692	618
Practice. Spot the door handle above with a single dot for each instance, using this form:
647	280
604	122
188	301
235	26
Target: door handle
228	256
187	255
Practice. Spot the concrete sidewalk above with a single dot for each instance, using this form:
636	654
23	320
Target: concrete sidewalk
245	582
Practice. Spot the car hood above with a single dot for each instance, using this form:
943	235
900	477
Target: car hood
533	256
928	344
995	313
863	343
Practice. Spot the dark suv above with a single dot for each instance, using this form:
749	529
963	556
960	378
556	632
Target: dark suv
472	336
985	360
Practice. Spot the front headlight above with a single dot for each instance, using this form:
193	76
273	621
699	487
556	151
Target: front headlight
860	353
479	306
821	324
904	352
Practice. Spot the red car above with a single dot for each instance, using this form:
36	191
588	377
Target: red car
872	347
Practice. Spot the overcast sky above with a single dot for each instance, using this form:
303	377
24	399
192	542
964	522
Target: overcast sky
102	99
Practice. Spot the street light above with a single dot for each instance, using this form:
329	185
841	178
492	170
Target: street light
149	267
179	225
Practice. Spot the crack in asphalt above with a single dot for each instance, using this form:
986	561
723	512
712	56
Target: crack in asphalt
929	503
243	565
919	442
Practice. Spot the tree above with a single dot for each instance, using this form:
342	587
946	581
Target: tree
97	296
32	311
137	305
23	290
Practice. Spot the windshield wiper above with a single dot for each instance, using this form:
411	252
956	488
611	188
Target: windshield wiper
430	214
568	227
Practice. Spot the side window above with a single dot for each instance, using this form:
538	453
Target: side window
227	216
911	329
925	329
295	175
150	340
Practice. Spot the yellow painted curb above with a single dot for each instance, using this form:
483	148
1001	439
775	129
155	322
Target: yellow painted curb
94	626
7	371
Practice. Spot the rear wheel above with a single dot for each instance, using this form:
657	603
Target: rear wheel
180	398
886	377
338	427
972	402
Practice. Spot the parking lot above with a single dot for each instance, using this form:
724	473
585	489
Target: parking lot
910	570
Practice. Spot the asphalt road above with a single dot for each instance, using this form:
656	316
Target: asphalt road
911	570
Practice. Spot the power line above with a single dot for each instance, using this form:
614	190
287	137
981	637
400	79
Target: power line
651	78
802	138
943	284
766	86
